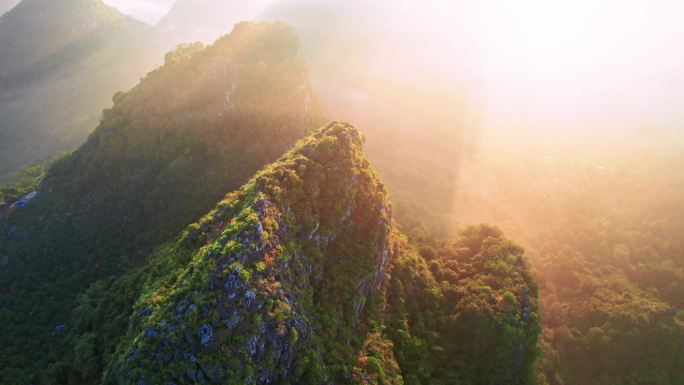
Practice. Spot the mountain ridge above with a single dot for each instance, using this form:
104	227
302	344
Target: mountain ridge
297	277
162	155
204	20
261	242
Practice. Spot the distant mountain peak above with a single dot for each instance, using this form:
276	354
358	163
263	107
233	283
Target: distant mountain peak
206	20
35	29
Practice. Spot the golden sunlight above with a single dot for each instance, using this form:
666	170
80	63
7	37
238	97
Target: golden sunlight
586	62
356	192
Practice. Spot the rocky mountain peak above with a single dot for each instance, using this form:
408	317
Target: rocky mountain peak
289	260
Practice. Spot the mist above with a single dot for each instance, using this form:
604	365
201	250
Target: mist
437	84
538	68
149	11
556	123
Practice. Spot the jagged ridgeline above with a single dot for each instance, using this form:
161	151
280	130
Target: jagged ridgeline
300	277
163	155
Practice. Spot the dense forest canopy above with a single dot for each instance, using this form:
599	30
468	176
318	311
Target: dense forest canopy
603	231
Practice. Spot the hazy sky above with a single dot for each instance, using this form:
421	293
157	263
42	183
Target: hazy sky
585	64
541	64
149	11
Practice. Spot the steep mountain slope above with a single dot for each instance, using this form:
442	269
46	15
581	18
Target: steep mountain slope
61	62
300	277
205	20
166	152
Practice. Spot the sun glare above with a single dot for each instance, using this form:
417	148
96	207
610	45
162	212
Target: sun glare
581	62
547	34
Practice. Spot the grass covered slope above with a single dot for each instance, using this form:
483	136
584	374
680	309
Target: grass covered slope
166	152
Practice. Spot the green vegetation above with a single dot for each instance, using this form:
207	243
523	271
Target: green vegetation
161	156
296	320
464	311
603	232
298	277
205	20
305	273
61	62
49	33
615	277
24	182
416	128
296	256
